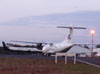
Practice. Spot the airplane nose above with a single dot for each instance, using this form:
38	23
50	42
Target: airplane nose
44	50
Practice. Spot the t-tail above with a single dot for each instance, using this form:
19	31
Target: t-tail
4	45
69	37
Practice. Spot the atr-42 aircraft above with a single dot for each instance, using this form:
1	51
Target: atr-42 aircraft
46	48
64	46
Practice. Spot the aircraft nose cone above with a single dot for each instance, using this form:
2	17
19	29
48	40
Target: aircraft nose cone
45	49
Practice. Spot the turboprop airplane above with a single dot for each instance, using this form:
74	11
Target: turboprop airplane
47	48
64	46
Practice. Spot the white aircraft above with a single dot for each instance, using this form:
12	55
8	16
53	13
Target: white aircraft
64	46
46	48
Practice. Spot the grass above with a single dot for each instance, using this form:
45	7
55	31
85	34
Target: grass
36	66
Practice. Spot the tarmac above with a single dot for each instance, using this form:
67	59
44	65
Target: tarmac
94	61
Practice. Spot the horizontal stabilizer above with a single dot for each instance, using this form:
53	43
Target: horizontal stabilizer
71	27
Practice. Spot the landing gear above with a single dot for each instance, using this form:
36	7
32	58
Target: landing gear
47	54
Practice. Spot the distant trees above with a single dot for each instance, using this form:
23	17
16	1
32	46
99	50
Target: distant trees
98	46
86	46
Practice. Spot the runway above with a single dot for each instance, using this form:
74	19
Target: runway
94	61
87	60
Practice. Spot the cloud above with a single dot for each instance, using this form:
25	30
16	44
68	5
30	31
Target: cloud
43	28
12	9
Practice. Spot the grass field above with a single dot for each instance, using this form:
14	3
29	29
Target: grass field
36	66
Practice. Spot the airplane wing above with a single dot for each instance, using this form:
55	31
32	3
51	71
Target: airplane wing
86	45
31	42
27	42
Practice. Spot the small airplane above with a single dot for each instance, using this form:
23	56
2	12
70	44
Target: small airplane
47	48
24	46
64	46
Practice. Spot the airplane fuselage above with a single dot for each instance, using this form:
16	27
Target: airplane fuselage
60	47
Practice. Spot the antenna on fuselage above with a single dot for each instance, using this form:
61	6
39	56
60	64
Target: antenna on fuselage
71	31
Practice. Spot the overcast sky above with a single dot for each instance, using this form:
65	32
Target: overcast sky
11	10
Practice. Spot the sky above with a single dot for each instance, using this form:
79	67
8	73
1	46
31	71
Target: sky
12	9
16	10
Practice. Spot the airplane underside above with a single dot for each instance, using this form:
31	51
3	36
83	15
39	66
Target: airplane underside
66	49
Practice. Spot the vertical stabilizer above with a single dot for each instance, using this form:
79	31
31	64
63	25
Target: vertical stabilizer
4	45
69	37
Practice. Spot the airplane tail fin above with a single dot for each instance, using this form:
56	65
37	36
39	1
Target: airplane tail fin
69	37
4	45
